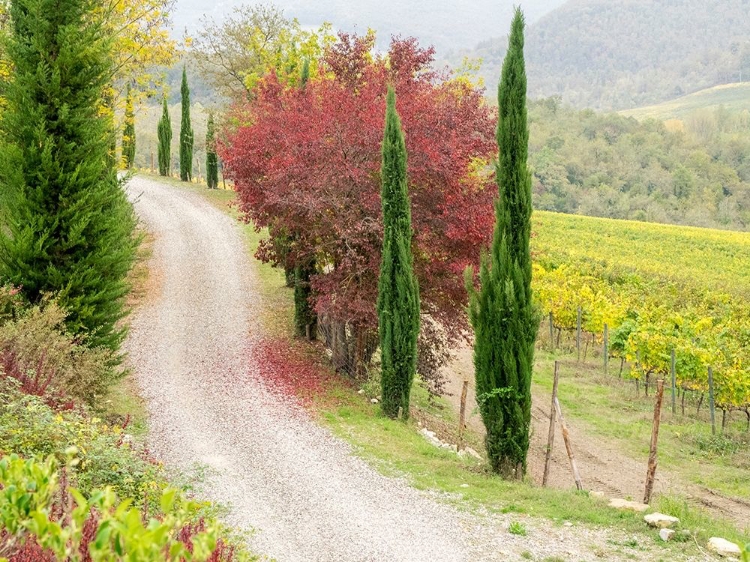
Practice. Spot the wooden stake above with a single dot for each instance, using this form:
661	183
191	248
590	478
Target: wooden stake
606	348
673	372
568	448
651	473
578	333
551	333
551	436
462	417
711	404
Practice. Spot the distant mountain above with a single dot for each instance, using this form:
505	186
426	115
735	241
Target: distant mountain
616	54
446	24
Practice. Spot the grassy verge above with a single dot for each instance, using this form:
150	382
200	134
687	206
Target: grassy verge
397	449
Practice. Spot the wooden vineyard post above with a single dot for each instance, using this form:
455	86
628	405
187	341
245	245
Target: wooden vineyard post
673	372
462	417
551	436
651	473
568	448
711	404
578	333
551	333
606	348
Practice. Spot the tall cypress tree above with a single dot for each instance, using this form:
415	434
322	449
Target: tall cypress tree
502	313
212	160
398	291
186	133
67	226
128	132
164	132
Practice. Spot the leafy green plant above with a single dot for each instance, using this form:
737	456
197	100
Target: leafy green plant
517	528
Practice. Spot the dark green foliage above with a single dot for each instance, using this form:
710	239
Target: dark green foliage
502	313
305	319
186	133
128	132
67	227
212	160
398	291
305	75
164	131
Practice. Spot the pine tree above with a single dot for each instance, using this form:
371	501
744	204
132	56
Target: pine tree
128	132
164	132
186	133
67	226
212	160
398	291
502	313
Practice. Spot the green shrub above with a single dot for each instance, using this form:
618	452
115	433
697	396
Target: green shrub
36	340
517	528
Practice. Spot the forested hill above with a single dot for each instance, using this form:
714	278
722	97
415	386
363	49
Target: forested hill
617	54
445	24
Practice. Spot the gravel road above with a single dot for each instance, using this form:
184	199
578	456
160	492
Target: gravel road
303	493
299	488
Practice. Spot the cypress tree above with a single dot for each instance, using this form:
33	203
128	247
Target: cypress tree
186	133
67	226
502	313
212	160
128	132
164	132
398	291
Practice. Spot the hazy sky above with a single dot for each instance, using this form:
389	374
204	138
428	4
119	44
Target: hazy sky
448	24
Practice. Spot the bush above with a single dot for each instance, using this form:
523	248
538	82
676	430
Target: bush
37	349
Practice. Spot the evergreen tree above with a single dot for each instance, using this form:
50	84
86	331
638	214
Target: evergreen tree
67	226
128	132
164	132
502	313
305	74
212	160
398	291
186	133
305	319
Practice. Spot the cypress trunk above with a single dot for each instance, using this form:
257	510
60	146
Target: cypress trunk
186	133
67	226
398	291
164	149
502	313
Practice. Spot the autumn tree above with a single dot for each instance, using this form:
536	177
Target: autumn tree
306	164
128	132
398	292
502	312
186	132
212	161
237	54
67	225
164	132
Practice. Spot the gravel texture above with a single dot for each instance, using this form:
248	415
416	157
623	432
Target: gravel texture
300	489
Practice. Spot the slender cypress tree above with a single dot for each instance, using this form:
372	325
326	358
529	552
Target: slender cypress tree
212	160
128	132
186	133
502	313
67	226
164	132
398	291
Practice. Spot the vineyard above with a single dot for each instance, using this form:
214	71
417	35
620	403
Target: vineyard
658	298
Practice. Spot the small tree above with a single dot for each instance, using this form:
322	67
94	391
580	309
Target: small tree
502	313
186	133
164	131
398	292
67	227
128	132
212	160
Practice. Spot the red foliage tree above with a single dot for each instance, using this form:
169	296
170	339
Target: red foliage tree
306	164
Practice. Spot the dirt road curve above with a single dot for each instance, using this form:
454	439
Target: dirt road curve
301	490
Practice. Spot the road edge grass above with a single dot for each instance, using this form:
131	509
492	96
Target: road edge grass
396	448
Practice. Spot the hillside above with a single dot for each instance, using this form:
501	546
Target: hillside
446	25
734	98
617	54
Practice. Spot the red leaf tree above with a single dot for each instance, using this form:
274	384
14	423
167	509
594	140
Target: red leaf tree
306	165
